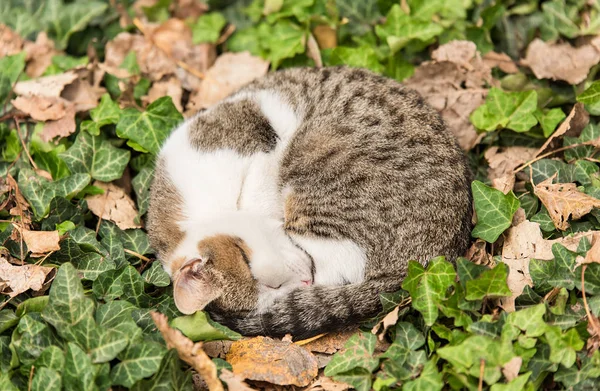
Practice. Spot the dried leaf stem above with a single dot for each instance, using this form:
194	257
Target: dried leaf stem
589	314
529	163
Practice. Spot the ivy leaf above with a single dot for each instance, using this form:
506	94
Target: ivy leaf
399	29
199	327
550	120
137	362
96	156
156	275
491	283
106	113
150	128
558	18
208	28
494	210
359	378
284	40
51	162
511	110
430	379
563	346
357	353
361	57
427	287
52	357
530	320
79	372
63	20
10	69
169	376
540	362
516	384
557	272
546	168
141	185
46	379
408	339
39	191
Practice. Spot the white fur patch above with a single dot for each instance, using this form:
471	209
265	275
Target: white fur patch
337	262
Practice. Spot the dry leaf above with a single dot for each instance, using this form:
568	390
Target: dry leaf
49	86
21	278
10	42
330	343
500	60
83	94
575	118
326	36
564	201
503	162
523	242
593	255
170	87
325	383
185	9
478	254
561	61
313	52
511	369
41	108
41	242
389	320
455	86
39	54
62	127
272	361
233	381
189	352
230	72
114	205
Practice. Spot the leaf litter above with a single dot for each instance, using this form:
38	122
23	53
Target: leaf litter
184	56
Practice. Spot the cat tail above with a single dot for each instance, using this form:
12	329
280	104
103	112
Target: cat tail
310	311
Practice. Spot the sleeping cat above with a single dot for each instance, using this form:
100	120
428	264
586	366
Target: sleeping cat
342	177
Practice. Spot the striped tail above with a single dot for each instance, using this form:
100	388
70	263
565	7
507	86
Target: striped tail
314	310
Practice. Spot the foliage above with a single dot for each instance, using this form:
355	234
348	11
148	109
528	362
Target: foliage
89	327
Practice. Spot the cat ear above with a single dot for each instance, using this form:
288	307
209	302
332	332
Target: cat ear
193	288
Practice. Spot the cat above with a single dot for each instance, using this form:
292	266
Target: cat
363	174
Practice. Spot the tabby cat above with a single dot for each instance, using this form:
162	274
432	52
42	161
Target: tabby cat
291	205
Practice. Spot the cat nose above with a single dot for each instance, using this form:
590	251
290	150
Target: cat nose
307	282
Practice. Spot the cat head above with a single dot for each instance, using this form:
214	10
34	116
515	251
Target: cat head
217	269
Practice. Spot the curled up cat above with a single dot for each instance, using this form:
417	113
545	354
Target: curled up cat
291	205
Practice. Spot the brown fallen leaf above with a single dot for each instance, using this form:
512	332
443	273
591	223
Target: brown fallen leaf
189	8
561	61
230	72
478	254
564	201
15	280
62	127
502	162
10	42
233	381
188	351
39	54
593	255
500	60
455	85
170	87
330	343
49	86
41	108
324	383
389	320
522	243
326	36
511	369
83	94
313	52
272	361
575	118
114	205
40	242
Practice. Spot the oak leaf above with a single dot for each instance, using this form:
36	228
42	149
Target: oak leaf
50	86
522	243
41	108
273	361
564	201
502	163
62	127
501	60
10	42
39	54
15	280
561	61
114	205
40	242
170	87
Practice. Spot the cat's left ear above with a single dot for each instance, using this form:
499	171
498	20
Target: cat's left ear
193	287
